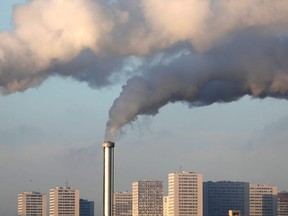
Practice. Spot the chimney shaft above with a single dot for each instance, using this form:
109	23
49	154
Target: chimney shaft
108	177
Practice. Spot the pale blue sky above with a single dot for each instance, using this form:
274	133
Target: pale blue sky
54	132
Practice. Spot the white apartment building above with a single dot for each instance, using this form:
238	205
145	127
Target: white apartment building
64	201
147	198
122	203
263	200
165	205
31	204
185	191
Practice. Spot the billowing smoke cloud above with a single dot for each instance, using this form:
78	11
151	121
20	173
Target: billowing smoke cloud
48	33
222	51
247	65
202	23
194	51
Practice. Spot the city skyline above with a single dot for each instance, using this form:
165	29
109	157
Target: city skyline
52	133
243	196
216	198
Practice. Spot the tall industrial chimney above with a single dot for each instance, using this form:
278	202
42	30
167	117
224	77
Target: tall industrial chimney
108	177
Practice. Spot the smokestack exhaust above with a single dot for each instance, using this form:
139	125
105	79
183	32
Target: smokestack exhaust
108	177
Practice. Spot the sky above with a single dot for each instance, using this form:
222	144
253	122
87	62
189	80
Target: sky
56	95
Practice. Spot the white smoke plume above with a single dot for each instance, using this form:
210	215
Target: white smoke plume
196	51
46	33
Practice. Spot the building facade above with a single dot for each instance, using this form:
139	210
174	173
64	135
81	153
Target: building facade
283	204
222	196
86	207
234	213
263	200
147	198
64	201
122	203
31	204
165	205
185	191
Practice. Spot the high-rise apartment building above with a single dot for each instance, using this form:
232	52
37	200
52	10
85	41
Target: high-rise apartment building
185	191
122	202
283	204
86	207
31	204
147	198
165	205
249	199
64	201
263	200
222	196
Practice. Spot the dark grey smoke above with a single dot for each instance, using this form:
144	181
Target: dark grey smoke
247	65
95	70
